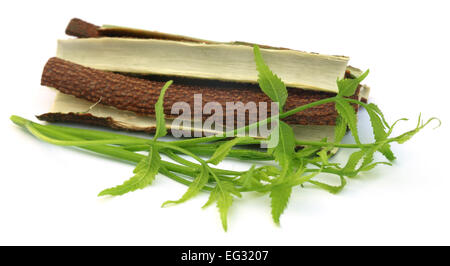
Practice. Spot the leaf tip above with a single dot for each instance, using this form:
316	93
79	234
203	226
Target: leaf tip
168	202
104	192
224	226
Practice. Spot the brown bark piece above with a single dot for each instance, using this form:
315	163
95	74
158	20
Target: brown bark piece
82	29
140	95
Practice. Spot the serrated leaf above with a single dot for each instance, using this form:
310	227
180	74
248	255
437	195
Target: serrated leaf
347	87
222	195
376	109
387	152
378	126
330	188
408	135
145	173
284	151
251	179
340	129
347	112
161	130
420	125
350	168
225	199
269	83
368	157
265	173
223	150
195	187
212	198
371	166
279	195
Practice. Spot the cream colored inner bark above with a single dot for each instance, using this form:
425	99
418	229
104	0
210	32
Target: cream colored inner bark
221	61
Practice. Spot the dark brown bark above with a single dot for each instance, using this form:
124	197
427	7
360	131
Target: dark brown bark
82	29
140	95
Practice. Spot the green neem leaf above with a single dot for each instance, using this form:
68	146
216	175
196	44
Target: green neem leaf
284	151
376	109
350	168
371	166
330	188
145	173
267	173
161	130
280	195
387	152
347	87
420	125
251	179
195	187
379	130
222	195
368	158
340	129
224	149
347	112
378	126
270	83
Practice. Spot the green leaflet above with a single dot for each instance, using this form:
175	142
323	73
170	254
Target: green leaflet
350	168
223	150
368	156
282	189
275	89
347	87
195	187
379	130
145	173
377	110
340	129
371	166
378	126
279	195
420	125
161	130
251	179
347	113
269	83
222	195
284	152
330	188
387	152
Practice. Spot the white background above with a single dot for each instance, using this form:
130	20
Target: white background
48	194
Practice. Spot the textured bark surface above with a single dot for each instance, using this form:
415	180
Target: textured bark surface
140	95
82	29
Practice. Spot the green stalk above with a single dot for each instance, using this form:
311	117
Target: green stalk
31	127
209	149
91	134
116	152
